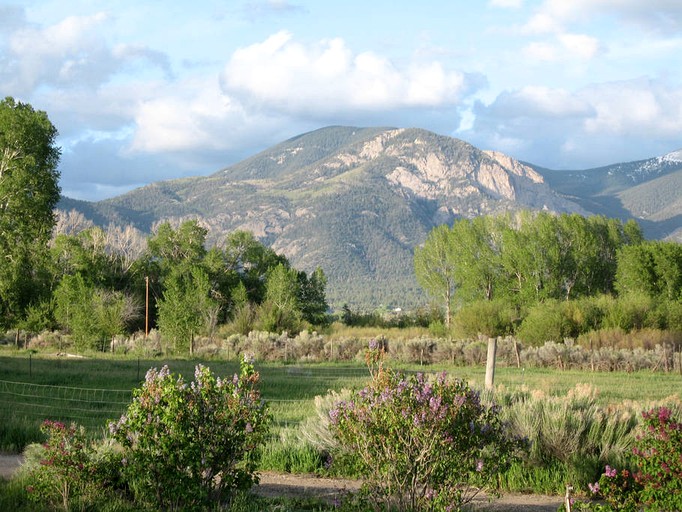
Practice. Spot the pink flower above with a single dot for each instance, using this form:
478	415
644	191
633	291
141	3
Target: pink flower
610	472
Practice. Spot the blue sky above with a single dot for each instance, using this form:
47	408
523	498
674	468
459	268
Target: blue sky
142	91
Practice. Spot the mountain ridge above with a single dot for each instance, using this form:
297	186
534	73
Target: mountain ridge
356	201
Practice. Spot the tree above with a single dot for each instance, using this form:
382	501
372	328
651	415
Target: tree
652	268
478	244
170	247
311	297
281	310
252	261
435	264
29	191
186	306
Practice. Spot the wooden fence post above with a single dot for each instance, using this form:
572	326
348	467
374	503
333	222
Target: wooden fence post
490	364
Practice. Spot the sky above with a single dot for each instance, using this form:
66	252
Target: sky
143	91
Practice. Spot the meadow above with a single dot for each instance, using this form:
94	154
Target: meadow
94	390
576	420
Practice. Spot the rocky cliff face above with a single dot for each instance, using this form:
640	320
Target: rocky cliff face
353	201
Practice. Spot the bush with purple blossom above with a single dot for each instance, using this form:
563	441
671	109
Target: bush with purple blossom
655	483
423	444
188	445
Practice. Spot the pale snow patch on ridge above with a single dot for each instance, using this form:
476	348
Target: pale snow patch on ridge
675	156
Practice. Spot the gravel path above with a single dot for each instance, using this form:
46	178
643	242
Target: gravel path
301	486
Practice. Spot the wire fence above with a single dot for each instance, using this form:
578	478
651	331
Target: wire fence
92	408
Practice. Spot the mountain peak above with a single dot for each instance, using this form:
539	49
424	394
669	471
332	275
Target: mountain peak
356	201
673	157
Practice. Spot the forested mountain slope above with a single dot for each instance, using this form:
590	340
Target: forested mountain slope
356	201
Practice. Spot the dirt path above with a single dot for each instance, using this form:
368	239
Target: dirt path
301	486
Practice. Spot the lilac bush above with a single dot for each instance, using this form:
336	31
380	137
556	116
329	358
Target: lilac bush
422	444
64	475
655	483
186	446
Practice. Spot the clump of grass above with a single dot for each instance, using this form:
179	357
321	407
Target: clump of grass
572	437
16	433
288	454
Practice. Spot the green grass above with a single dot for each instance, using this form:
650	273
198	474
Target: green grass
92	391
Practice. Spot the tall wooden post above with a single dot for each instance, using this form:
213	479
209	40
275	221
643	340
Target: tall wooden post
146	307
490	364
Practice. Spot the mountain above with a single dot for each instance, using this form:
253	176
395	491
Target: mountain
649	191
356	201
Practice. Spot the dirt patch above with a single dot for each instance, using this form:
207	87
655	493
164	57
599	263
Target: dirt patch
310	486
331	489
9	464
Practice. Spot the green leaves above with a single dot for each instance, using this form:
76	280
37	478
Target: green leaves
423	444
29	191
189	445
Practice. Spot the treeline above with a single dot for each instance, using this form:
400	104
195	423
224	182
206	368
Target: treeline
547	277
102	283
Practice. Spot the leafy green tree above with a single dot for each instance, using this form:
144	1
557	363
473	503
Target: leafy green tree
435	265
478	244
186	308
281	310
312	301
29	191
73	310
85	254
652	268
251	261
170	247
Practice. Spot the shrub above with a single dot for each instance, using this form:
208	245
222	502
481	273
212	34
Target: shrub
571	433
64	474
422	445
656	480
490	318
189	445
547	321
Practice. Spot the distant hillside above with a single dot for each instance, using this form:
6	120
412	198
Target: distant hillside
649	191
356	201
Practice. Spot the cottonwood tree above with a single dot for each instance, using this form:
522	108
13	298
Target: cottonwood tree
435	265
186	308
29	191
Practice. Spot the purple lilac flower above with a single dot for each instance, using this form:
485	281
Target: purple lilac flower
479	465
594	488
610	472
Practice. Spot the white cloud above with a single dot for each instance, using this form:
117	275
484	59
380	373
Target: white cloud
579	45
642	107
663	16
541	52
515	4
319	79
72	53
596	125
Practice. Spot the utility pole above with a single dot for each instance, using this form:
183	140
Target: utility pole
146	307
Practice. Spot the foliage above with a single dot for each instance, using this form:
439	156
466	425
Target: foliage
189	445
571	431
92	315
434	266
655	480
547	321
410	432
29	191
658	459
64	475
524	258
186	308
653	268
490	318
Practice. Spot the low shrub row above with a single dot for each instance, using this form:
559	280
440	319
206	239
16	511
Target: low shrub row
606	350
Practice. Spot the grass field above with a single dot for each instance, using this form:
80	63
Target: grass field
91	391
